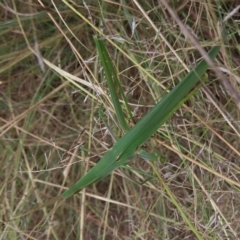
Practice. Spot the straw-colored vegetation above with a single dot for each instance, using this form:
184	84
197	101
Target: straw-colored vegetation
59	115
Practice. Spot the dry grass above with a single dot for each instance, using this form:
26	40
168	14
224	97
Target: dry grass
44	109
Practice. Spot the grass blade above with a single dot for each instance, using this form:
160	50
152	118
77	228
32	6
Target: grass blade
148	125
112	81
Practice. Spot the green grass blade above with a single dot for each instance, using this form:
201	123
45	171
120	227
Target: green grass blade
106	58
124	148
112	81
